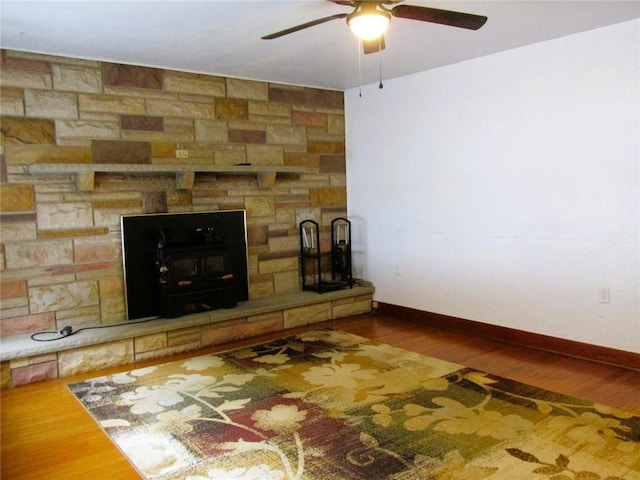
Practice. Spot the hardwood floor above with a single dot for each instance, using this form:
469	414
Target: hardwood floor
46	434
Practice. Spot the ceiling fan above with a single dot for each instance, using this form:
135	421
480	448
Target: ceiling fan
370	19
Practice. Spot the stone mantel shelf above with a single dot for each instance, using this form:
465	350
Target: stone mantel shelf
185	174
21	346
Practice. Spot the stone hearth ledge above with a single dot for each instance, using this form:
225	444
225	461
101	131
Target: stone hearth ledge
22	346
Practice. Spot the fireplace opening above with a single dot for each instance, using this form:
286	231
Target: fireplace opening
177	264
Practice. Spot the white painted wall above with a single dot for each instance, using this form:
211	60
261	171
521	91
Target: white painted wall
506	189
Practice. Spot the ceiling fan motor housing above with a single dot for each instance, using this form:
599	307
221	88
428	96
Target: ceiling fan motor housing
368	21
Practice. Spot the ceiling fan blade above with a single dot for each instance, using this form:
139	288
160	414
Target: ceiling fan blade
435	15
373	46
303	26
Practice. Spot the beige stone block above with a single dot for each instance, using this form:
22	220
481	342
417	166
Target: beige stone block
111	104
60	297
309	119
96	271
17	198
278	265
111	218
51	188
163	352
148	136
280	244
328	197
50	197
286	134
86	128
207	153
260	288
270	109
11	101
322	136
94	358
296	317
150	342
28	154
178	108
19	362
67	214
319	146
355	307
232	109
214	335
249	89
111	305
335	124
277	316
286	216
99	240
14	232
230	154
37	281
97	253
50	104
260	206
41	57
14	304
194	83
210	131
338	180
76	78
253	260
14	312
265	155
286	282
179	129
18	130
100	117
85	181
184	336
25	79
111	286
79	316
38	254
47	357
246	125
97	197
267	120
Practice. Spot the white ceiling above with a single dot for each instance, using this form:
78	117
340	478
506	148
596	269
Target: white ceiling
222	37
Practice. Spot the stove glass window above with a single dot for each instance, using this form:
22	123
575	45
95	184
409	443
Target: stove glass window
185	267
214	264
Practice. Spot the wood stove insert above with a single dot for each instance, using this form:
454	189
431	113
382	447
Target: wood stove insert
177	264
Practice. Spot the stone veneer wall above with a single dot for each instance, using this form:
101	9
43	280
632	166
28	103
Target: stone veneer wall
60	255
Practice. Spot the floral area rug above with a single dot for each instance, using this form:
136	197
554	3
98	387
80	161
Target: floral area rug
329	405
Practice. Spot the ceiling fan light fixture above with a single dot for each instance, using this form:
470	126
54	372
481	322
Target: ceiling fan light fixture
368	25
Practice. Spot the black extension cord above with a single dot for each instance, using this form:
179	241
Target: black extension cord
68	331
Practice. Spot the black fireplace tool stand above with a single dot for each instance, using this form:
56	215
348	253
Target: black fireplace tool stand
330	270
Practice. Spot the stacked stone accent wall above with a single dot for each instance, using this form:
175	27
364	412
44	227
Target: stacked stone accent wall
60	256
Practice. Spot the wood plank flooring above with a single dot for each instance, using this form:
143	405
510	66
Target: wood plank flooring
46	434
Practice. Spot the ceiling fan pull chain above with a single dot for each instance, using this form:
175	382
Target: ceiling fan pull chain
380	86
360	67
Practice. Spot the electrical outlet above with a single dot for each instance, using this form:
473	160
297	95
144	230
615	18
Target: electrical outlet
182	153
604	294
